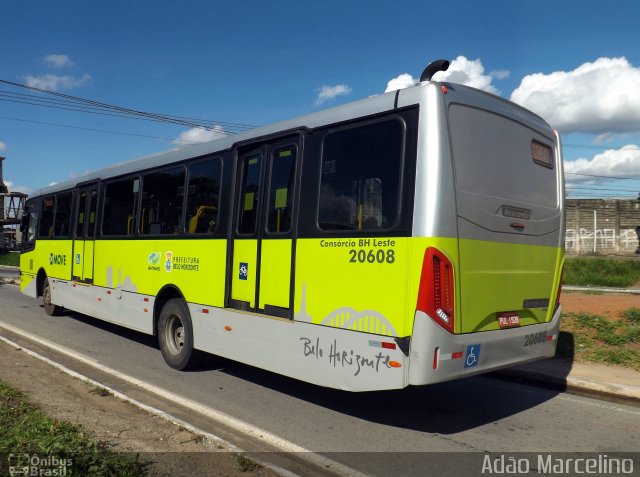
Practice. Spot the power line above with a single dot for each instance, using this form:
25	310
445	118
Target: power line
603	148
97	130
78	104
572	187
80	107
603	177
39	99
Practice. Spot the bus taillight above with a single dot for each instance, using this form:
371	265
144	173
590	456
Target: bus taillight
559	289
436	294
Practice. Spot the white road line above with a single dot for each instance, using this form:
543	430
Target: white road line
601	405
213	439
218	416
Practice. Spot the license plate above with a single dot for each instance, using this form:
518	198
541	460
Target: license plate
508	319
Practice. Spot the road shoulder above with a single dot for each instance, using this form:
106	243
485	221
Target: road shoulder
125	427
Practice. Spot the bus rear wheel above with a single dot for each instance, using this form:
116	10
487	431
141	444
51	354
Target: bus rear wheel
175	336
49	308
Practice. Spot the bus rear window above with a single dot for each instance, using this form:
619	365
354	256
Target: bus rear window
361	171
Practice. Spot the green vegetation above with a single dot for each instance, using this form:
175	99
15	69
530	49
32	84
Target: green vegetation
601	272
24	428
245	464
10	259
589	337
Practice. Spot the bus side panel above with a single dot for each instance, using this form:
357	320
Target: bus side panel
196	267
28	272
354	283
323	355
55	256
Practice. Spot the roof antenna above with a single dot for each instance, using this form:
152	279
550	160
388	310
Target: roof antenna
432	68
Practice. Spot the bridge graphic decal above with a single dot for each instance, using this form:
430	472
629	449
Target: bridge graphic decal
370	321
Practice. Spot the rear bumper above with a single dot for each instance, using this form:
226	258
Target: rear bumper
437	355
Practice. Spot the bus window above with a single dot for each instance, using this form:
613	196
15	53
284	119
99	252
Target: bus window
30	224
203	196
62	227
46	220
250	193
93	206
162	194
281	190
82	203
360	185
120	199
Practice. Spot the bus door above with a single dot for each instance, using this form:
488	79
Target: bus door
83	244
261	270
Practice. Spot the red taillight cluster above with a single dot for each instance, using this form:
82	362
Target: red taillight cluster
436	294
559	289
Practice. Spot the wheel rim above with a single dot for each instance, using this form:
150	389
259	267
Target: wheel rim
46	296
174	334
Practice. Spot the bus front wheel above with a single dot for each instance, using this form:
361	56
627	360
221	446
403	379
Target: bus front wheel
175	336
49	308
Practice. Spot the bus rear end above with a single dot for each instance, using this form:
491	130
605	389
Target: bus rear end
489	248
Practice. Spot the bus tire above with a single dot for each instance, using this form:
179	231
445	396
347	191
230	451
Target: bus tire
49	308
175	336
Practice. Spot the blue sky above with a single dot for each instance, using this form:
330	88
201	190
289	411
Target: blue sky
577	63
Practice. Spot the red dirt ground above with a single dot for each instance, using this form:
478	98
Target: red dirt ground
607	305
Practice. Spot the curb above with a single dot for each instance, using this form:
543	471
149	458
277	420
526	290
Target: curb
618	393
632	291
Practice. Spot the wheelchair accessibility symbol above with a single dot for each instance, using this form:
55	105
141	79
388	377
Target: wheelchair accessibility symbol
472	356
244	271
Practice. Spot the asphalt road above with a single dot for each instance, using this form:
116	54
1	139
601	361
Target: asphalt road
11	273
377	433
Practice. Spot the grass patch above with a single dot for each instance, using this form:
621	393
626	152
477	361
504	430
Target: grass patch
589	337
245	464
632	314
10	259
24	428
100	391
601	272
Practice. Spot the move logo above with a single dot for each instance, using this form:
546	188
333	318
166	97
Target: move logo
57	259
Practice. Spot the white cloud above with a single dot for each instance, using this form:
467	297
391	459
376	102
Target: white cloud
500	74
469	73
598	97
18	188
197	135
405	80
623	162
3	146
58	61
461	70
54	82
327	93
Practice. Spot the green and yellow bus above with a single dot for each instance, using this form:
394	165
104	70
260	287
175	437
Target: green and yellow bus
405	239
